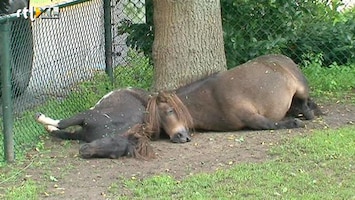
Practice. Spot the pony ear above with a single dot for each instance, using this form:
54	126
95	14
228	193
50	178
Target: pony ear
153	94
162	97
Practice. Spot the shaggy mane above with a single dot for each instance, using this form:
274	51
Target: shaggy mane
141	142
152	118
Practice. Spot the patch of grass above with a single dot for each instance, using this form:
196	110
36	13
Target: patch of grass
138	73
27	190
320	166
332	82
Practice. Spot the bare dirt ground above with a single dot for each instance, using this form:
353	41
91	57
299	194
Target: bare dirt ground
69	177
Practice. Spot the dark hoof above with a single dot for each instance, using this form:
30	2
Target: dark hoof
298	123
309	115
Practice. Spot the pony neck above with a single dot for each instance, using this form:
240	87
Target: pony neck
196	86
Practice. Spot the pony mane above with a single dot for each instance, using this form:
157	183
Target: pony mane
141	142
152	118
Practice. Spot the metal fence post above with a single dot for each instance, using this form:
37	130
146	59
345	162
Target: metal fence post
108	39
6	91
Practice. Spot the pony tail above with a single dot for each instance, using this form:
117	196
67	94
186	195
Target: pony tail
152	118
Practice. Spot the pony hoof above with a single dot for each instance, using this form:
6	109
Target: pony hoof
51	128
299	123
37	115
309	115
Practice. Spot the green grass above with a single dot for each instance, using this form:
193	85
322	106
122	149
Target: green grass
27	190
320	166
330	82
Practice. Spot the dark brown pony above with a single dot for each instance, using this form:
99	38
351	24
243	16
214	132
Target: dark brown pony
255	95
111	129
134	143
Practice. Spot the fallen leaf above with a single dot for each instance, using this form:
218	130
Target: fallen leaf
52	178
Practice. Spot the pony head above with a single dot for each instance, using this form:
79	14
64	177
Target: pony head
166	111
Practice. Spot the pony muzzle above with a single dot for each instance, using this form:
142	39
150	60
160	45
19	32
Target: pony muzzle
181	137
85	151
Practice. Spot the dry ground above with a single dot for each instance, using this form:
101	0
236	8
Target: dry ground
67	176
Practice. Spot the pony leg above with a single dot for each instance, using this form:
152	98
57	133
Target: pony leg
302	106
259	122
62	134
42	119
61	124
54	126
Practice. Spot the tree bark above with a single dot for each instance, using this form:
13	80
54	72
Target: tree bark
188	41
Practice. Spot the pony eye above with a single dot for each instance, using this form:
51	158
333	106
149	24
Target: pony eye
170	111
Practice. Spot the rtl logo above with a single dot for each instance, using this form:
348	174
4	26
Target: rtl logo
36	12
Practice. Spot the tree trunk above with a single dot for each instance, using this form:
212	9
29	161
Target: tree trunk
188	41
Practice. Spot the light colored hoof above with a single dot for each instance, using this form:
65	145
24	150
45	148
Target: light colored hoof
38	116
51	128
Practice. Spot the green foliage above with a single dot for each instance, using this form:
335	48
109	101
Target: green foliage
257	28
333	36
254	28
140	36
138	72
28	190
327	80
291	28
319	166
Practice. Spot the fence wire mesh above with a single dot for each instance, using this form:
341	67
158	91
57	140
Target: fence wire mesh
68	53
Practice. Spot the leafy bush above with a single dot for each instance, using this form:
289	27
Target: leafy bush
138	72
291	28
139	36
253	28
327	80
333	37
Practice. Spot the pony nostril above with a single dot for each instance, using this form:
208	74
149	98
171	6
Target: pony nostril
188	139
178	138
181	137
